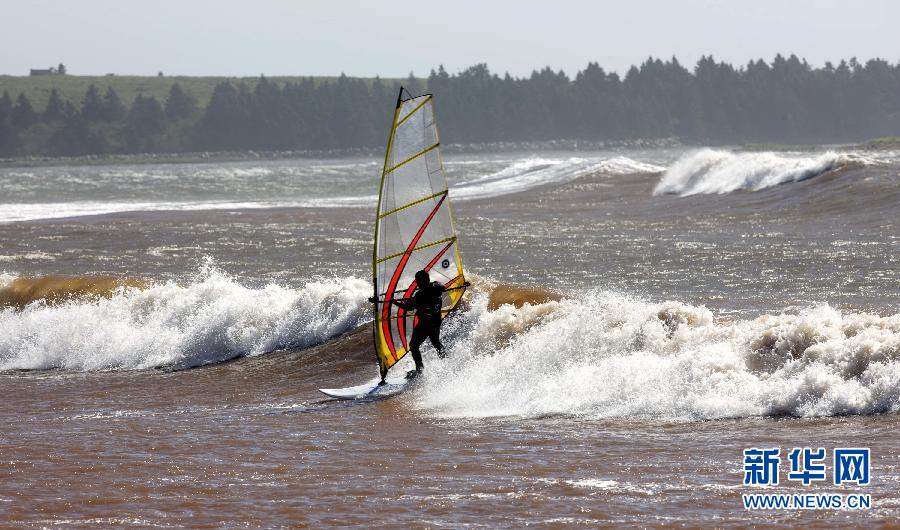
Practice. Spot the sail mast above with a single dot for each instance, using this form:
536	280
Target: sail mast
387	153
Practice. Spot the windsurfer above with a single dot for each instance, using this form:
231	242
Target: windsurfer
426	302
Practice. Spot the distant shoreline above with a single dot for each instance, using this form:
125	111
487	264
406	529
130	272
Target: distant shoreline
239	156
875	144
785	105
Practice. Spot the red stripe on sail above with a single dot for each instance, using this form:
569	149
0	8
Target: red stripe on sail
448	284
392	285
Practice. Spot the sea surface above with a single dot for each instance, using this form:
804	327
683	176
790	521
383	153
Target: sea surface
638	318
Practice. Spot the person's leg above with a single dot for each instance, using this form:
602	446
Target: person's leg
434	334
419	334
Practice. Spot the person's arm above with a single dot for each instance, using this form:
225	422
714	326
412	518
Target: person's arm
463	286
406	304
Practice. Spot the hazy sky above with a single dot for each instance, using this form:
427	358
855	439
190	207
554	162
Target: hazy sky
282	37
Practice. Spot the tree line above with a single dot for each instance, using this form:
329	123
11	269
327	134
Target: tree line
786	100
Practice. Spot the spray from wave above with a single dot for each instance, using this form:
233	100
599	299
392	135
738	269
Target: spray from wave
533	172
609	356
710	171
211	319
514	352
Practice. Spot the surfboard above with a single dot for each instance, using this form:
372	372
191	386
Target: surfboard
414	231
371	390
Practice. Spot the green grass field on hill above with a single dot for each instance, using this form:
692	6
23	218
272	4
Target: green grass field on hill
72	87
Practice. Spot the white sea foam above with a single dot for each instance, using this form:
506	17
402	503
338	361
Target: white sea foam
603	355
209	320
526	174
27	256
710	171
518	176
622	165
593	483
610	356
62	210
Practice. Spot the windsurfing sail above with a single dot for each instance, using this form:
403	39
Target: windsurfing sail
414	227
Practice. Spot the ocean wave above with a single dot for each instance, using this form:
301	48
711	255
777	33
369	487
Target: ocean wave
710	171
211	319
610	356
530	173
622	165
518	176
63	210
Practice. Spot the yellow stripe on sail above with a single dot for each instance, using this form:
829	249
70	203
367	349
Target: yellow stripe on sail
407	205
420	247
415	156
413	111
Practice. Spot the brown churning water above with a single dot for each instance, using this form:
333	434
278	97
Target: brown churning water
58	289
638	318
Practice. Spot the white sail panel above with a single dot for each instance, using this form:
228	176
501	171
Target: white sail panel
414	226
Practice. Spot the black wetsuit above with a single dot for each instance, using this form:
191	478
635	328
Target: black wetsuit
426	302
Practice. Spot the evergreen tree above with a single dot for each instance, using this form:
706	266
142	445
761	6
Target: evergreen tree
55	109
77	138
7	139
226	119
785	100
92	105
412	85
269	125
112	108
23	115
180	104
6	103
145	124
69	110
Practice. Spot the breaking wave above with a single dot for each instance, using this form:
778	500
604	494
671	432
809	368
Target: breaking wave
514	351
709	171
533	172
211	319
610	356
518	176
